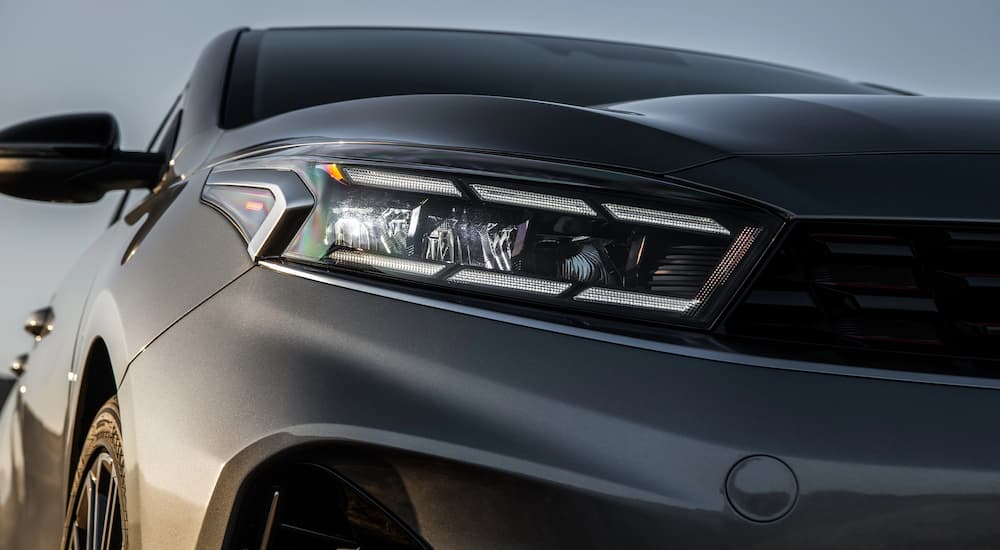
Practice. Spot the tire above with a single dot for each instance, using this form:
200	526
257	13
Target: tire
99	484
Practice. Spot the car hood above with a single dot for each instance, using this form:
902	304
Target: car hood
823	124
657	136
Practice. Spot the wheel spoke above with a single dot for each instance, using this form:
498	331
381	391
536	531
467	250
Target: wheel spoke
109	512
97	517
91	506
95	507
75	543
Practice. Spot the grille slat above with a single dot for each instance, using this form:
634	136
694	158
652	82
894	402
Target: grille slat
868	249
305	506
893	303
930	289
975	280
781	298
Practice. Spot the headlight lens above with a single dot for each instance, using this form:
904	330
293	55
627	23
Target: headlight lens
675	259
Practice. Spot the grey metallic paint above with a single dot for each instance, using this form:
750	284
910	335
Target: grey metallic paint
824	124
900	186
46	408
508	430
480	394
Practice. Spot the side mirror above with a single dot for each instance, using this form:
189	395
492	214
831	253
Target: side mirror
18	364
71	158
39	323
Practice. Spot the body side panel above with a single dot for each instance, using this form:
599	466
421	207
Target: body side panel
37	419
121	309
639	432
148	280
129	287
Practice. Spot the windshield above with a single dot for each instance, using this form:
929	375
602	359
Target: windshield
289	69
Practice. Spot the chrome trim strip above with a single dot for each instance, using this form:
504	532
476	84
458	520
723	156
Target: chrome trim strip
639	343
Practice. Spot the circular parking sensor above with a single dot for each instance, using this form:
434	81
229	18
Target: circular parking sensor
762	488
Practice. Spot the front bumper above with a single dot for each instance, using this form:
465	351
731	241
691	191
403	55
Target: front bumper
510	435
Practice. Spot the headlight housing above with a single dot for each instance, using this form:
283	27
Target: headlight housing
673	255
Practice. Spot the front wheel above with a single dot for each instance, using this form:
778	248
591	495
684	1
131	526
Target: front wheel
95	518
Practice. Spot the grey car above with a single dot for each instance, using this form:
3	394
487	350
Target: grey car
392	289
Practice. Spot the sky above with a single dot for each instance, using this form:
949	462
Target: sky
132	57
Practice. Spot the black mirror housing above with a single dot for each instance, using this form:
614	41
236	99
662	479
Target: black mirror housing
71	158
96	130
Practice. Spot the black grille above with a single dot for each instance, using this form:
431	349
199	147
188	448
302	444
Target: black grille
305	506
929	289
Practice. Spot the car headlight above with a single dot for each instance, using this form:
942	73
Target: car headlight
675	257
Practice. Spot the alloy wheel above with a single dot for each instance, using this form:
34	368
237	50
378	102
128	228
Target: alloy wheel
97	519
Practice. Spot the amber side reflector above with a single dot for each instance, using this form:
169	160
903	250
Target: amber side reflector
335	172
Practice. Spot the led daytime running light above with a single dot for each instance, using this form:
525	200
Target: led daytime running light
509	282
395	181
674	220
387	263
530	199
639	300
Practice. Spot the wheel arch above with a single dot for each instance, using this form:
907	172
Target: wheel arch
96	385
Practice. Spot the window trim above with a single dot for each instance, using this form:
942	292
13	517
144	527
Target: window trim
169	123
